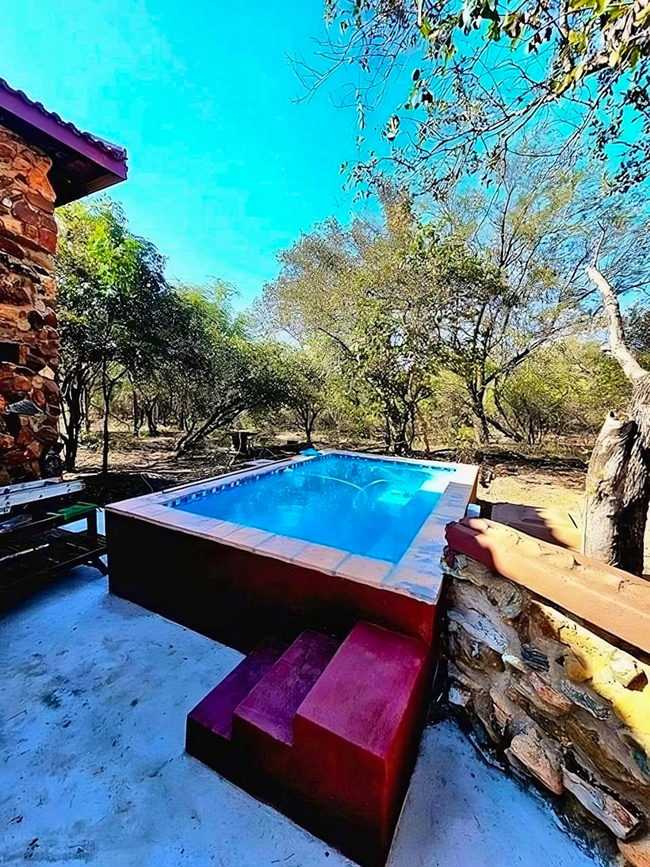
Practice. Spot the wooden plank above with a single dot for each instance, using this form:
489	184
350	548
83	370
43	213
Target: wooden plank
46	522
608	598
58	549
24	495
20	578
26	486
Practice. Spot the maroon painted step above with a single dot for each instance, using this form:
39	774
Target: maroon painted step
356	736
269	709
327	735
210	722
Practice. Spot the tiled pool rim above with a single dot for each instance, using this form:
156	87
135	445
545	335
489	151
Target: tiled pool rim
417	574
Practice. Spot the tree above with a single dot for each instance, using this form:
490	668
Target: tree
237	374
531	226
564	389
474	287
369	294
484	72
112	292
304	389
191	319
78	372
618	480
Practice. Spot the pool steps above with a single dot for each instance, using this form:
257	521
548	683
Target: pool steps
269	709
325	731
215	711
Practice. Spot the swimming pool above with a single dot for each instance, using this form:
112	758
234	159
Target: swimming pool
311	542
358	504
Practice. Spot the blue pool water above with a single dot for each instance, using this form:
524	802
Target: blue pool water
361	505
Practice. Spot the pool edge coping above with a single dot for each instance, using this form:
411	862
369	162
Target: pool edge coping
417	574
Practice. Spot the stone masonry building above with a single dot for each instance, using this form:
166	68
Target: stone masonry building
44	162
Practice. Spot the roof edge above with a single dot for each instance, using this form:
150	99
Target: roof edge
105	154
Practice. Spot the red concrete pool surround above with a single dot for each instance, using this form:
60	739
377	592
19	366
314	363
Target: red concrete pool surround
417	575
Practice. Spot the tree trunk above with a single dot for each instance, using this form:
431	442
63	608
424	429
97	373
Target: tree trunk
150	412
479	412
72	430
425	432
618	480
108	386
219	418
617	496
137	415
73	401
398	428
308	419
388	437
106	393
87	408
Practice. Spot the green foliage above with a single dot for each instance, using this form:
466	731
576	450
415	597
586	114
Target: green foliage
565	389
424	329
473	290
370	295
184	353
487	71
111	294
202	339
637	331
240	375
304	388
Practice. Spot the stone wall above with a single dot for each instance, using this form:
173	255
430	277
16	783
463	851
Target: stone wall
563	703
29	346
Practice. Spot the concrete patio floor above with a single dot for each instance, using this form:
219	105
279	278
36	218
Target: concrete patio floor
94	693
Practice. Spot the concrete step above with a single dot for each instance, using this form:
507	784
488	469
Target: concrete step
326	733
356	736
209	724
268	711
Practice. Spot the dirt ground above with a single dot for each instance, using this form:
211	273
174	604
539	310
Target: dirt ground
536	486
547	482
154	456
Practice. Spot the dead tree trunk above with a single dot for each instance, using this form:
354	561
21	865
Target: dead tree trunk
618	479
617	497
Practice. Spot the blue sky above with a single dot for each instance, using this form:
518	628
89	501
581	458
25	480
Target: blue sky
225	168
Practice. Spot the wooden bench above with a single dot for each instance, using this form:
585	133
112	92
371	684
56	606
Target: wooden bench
35	545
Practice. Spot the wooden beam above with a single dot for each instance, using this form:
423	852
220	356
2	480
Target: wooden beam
34	492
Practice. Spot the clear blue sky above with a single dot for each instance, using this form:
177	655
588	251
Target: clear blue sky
224	168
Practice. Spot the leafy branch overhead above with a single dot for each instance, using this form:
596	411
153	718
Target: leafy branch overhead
478	75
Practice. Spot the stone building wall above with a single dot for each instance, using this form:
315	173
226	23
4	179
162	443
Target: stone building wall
29	345
562	703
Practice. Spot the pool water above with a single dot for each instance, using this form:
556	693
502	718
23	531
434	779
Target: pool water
360	505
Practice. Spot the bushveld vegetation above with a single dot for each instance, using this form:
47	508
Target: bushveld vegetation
452	327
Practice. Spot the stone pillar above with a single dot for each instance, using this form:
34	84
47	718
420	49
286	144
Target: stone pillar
29	344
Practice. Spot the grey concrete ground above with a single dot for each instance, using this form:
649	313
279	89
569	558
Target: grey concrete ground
93	696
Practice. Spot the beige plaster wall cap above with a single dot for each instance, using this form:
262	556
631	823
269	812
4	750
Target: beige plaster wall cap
608	598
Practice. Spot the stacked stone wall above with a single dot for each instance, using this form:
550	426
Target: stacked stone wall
29	343
562	703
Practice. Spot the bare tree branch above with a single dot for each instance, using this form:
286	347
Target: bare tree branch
631	367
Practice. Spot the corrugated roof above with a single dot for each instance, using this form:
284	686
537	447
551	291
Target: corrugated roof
109	148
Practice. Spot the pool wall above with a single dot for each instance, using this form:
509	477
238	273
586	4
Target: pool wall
238	585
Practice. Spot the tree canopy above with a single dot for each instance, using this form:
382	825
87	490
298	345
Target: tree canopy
399	301
482	74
